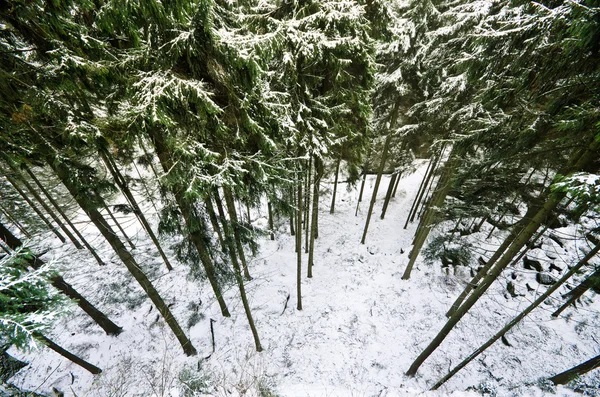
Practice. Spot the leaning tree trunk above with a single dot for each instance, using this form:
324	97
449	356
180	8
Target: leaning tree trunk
388	195
14	222
519	317
578	292
67	354
422	199
118	225
89	247
124	187
315	211
335	182
229	239
34	207
60	284
126	257
235	225
299	244
579	163
422	187
570	374
396	185
483	271
195	232
210	209
438	197
58	209
384	154
146	188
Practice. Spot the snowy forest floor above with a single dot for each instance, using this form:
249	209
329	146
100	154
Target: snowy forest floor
360	329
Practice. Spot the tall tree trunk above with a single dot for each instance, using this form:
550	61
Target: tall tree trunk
483	271
519	317
14	222
34	207
210	209
384	154
422	188
437	199
118	225
292	213
589	282
60	284
579	163
67	354
362	189
397	183
315	211
299	244
124	187
127	259
307	203
235	225
196	234
428	186
229	238
145	185
89	247
570	374
271	228
58	209
335	182
388	194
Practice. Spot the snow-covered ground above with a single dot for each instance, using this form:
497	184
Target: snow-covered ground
359	331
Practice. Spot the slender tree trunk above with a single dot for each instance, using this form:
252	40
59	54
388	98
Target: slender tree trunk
362	189
31	204
89	247
307	201
118	225
292	231
271	228
145	185
578	292
210	209
60	284
59	210
510	252
14	222
570	374
127	259
439	195
124	187
335	183
518	318
388	195
67	354
491	262
299	245
421	190
384	154
196	233
229	238
397	183
229	202
480	224
315	211
579	163
427	188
